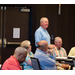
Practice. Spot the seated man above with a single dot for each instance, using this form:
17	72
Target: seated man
13	62
72	52
46	58
27	65
60	52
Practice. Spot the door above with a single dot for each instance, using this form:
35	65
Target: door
1	20
14	28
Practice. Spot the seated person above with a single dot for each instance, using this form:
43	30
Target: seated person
60	52
46	58
27	65
13	62
72	52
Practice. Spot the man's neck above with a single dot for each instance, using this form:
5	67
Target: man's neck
43	28
58	48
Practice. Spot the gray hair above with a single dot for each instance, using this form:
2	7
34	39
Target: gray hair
41	20
25	44
56	38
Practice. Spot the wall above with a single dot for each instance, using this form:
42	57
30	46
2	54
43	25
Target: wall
60	25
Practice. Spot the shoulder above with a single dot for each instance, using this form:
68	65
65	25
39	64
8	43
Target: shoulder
39	53
38	30
13	61
9	63
54	49
73	48
63	48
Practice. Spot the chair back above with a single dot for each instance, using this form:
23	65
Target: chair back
35	63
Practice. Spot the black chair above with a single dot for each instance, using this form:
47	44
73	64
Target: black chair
35	63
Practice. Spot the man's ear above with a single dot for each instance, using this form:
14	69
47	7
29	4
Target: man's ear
19	55
54	42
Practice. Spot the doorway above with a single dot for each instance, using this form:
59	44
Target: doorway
14	28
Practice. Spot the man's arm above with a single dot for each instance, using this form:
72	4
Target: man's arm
37	37
51	46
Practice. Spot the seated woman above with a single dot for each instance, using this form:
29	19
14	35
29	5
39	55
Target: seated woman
27	64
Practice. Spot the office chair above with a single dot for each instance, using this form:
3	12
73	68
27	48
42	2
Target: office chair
35	63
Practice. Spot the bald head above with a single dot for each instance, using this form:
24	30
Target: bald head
20	50
20	53
43	45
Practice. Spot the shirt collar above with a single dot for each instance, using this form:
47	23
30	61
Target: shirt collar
59	49
40	51
42	29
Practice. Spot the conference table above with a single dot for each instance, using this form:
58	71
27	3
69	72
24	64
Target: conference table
66	60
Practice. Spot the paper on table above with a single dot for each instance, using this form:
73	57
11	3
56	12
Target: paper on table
16	32
61	57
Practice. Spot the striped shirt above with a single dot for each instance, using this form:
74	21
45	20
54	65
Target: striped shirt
60	53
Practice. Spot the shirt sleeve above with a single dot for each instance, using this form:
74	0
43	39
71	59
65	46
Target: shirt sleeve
27	58
37	36
65	53
49	59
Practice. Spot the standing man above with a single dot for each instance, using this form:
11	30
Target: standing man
42	34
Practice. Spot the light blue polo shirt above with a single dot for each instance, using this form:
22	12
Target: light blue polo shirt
41	34
47	61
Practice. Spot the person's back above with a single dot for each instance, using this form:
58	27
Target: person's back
72	52
47	62
27	64
11	64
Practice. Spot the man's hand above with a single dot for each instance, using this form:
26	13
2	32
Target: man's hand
65	66
50	51
51	46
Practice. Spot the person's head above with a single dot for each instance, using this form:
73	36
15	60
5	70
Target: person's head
58	42
44	23
20	54
43	45
26	44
